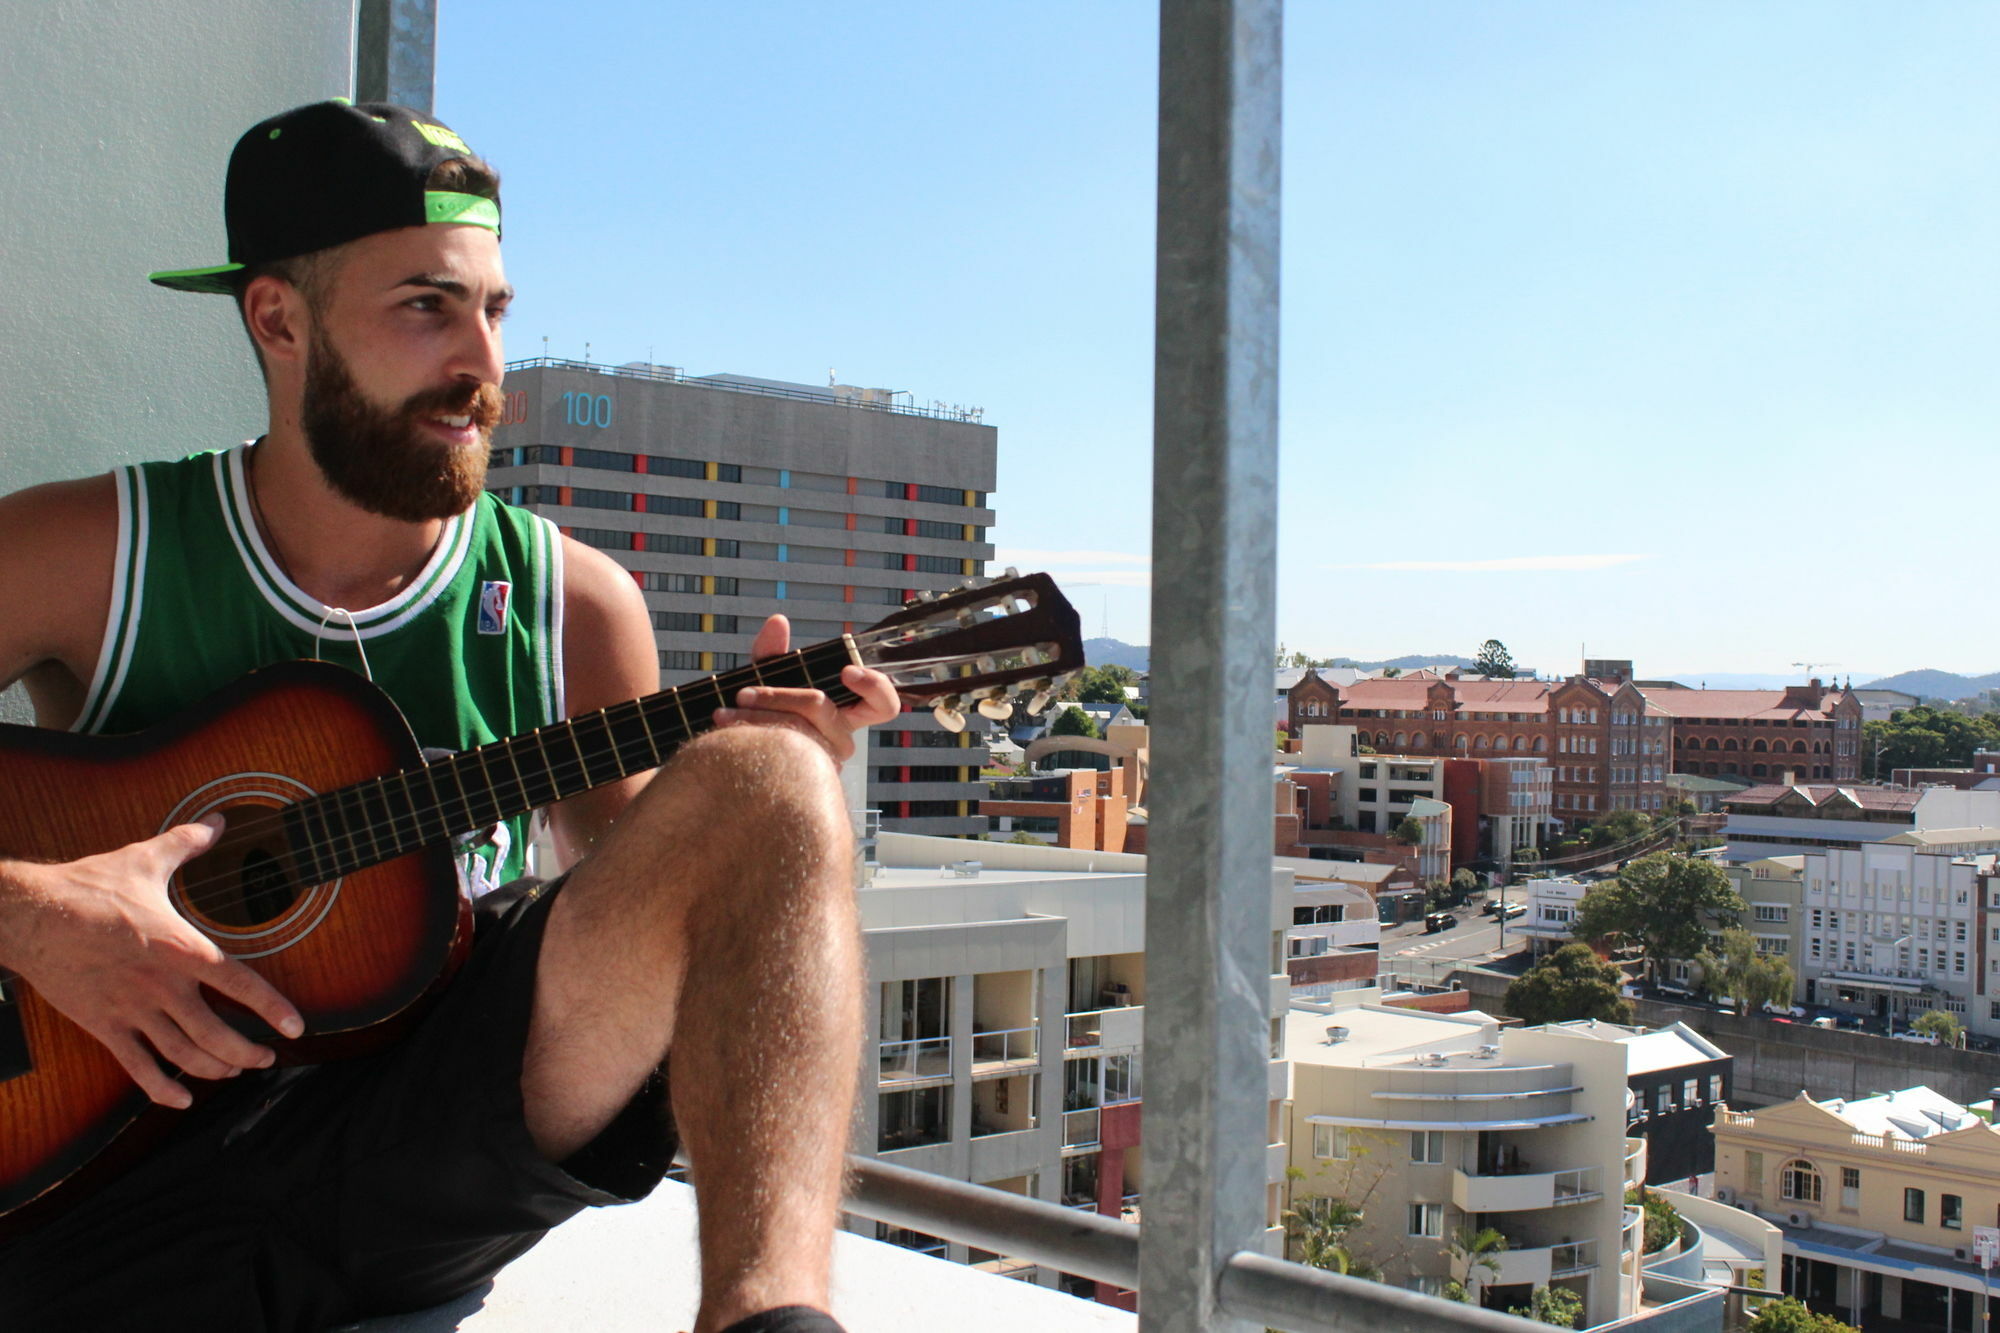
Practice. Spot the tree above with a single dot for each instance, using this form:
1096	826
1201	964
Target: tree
1476	1251
1570	983
1074	722
1621	826
1926	737
1409	832
1464	883
1557	1306
1664	903
1663	1220
1740	974
1789	1315
1940	1024
1494	660
1319	1226
1390	673
1103	684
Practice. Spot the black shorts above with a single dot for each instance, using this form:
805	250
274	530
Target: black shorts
305	1198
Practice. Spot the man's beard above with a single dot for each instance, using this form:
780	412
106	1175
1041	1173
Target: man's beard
382	459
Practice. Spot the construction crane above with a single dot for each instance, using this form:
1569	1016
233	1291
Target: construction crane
1807	667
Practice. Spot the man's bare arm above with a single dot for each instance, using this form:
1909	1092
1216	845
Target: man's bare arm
97	938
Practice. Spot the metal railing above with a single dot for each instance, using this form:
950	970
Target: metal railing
1577	1186
906	1061
1081	1129
1008	1046
1575	1257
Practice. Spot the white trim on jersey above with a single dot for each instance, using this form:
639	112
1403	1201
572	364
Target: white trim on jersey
128	587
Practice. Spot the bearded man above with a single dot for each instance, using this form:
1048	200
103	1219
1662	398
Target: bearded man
706	915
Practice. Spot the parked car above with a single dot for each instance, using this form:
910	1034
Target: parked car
1920	1038
1437	921
1512	910
1673	990
1789	1010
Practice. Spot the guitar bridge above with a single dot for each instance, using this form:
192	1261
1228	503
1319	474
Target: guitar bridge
14	1060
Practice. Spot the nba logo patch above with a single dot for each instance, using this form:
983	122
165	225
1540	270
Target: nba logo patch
493	595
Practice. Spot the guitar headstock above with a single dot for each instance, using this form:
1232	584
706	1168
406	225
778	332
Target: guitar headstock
979	644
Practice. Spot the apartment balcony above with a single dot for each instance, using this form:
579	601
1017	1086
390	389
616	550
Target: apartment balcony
1116	1028
1538	1265
1523	1193
1082	1131
1635	1162
1005	1051
927	1058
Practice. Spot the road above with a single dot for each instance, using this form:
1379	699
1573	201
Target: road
1407	950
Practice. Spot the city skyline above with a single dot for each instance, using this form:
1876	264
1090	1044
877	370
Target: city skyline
1657	328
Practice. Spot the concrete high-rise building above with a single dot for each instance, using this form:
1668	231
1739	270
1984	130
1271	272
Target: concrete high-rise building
730	498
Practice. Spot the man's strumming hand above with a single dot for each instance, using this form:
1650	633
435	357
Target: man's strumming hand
98	939
811	711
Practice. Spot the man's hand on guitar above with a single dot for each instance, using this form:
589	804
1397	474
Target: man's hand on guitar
811	711
100	941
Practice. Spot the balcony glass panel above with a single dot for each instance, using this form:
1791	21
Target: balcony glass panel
1005	1049
1080	1129
907	1061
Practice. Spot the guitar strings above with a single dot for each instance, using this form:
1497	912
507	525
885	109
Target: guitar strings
644	750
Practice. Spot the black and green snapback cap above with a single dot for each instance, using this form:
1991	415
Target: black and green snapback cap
325	174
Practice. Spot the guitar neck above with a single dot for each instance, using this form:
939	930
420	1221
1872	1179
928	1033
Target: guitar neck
342	831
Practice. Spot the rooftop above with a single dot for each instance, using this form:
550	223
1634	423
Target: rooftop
1911	1113
1381	1034
1648	1050
1819	794
1741	705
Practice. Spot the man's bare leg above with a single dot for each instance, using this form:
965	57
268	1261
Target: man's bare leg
717	920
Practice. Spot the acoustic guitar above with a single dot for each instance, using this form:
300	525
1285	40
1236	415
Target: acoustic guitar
334	876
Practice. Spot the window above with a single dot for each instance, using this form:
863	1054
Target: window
945	531
1426	1145
672	504
1715	1087
1771	912
658	466
1850	1187
673	583
1951	1212
727	547
1427	1219
1691	1092
673	544
939	564
1913	1205
1798	1182
601	458
674	659
1330	1141
940	495
604	539
725	587
677	620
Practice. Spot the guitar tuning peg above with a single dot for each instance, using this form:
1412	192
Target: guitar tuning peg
1045	694
996	706
926	596
948	716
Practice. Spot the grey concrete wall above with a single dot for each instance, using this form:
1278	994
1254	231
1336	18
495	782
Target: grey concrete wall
1775	1061
115	128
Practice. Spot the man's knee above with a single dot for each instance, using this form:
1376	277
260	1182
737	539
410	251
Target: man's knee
753	791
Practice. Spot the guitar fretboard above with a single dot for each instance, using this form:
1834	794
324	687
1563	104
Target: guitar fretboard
339	832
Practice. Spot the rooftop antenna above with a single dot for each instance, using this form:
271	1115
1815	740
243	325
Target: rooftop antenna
586	354
831	377
545	347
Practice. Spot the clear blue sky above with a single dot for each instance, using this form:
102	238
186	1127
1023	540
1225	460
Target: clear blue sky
1685	312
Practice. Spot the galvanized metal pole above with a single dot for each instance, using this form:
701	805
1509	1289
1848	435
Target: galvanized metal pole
395	53
1215	466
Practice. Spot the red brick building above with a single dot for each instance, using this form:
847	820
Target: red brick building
1810	730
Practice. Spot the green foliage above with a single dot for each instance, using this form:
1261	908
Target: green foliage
1937	1023
1739	973
1570	983
1463	883
1390	673
1789	1315
1318	1226
1557	1306
1478	1252
1663	1220
1437	895
1664	903
1494	660
1621	826
1409	832
1926	737
1075	722
1103	684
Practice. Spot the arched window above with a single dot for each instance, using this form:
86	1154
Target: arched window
1459	742
1757	746
1677	742
1798	747
1381	739
1758	771
1541	745
1479	743
1713	746
1799	1182
1402	740
1729	744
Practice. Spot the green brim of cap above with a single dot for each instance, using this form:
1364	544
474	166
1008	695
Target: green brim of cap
211	281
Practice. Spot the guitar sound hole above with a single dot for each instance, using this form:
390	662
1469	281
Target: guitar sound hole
263	892
14	1060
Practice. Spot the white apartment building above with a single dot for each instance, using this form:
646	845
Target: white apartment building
1007	1008
1436	1125
1892	928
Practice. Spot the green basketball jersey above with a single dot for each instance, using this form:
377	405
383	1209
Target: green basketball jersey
471	650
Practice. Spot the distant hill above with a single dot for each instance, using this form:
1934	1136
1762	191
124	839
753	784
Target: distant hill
1115	652
1933	684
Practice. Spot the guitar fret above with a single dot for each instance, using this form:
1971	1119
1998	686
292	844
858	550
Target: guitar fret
437	802
466	822
354	820
610	742
623	738
548	764
582	761
381	829
416	837
543	781
305	856
490	795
